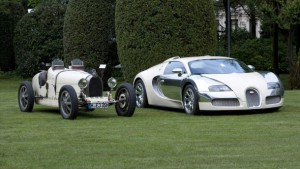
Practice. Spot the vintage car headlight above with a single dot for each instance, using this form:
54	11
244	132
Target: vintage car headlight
218	88
112	82
273	85
82	83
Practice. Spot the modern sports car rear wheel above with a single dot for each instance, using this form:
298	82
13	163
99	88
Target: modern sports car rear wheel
141	95
190	100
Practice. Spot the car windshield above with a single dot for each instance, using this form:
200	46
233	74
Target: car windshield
218	66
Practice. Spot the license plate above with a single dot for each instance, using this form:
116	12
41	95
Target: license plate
97	105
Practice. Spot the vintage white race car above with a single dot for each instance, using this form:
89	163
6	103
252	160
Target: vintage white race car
71	89
209	83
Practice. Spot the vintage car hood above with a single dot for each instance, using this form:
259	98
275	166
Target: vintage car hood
240	82
71	77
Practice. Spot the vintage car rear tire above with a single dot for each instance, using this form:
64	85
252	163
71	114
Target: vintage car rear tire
126	97
190	100
68	102
26	96
141	94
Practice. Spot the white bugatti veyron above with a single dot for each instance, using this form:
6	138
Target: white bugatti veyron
209	83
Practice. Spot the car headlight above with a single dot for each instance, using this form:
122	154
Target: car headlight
82	83
273	85
111	82
218	88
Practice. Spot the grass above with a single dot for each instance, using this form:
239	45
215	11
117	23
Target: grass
152	138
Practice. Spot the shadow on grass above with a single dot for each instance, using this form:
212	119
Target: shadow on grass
81	114
220	113
238	112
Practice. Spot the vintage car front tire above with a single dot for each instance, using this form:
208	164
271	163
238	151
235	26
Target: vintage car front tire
125	95
190	100
26	97
141	95
68	102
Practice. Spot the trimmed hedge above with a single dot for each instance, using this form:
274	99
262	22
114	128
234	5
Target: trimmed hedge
39	38
89	33
11	12
149	32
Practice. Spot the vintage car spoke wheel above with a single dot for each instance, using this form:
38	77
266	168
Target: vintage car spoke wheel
126	97
26	97
141	95
68	102
190	100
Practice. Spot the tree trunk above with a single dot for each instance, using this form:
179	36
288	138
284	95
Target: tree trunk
228	25
297	38
275	63
252	21
289	58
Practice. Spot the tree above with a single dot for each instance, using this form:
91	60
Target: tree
39	38
89	33
149	32
271	10
10	13
289	19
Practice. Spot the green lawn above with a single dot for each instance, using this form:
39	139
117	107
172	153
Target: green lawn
152	138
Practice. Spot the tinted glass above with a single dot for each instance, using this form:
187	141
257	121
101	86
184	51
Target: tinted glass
172	65
218	66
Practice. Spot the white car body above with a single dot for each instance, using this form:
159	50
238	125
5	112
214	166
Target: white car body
166	90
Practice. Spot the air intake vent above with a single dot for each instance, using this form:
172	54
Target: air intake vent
253	99
225	102
95	87
273	99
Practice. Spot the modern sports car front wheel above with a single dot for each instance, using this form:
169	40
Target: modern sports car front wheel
125	95
190	100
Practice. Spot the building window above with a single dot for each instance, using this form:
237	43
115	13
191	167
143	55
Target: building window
234	24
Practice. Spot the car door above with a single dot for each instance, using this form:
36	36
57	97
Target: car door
170	81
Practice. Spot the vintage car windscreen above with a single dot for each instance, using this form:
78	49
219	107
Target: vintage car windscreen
218	66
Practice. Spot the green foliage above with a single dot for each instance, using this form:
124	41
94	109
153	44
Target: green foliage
256	52
36	3
10	13
39	38
148	32
89	33
290	14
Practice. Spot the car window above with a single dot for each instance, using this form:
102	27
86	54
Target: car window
218	66
172	65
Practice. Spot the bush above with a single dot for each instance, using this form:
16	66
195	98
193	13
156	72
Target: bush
256	52
10	13
89	33
39	38
149	32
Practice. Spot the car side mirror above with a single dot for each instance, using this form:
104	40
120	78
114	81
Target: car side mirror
251	67
178	71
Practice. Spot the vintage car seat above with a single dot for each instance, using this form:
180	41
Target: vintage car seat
42	78
77	64
57	64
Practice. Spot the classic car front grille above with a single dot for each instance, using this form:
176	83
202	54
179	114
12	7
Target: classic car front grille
273	99
95	87
253	99
225	102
